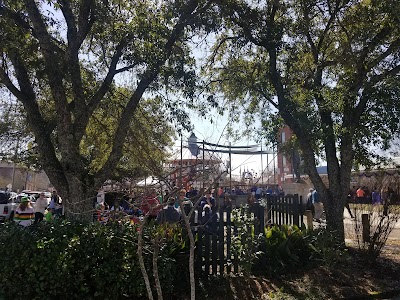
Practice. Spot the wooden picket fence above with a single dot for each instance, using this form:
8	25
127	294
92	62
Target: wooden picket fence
215	230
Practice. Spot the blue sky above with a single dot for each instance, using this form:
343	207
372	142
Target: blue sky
216	133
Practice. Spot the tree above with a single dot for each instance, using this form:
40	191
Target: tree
328	69
144	151
61	60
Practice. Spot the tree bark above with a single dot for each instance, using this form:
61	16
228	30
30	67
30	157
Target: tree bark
191	250
141	260
156	245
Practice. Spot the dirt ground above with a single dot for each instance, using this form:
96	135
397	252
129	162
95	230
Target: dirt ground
354	278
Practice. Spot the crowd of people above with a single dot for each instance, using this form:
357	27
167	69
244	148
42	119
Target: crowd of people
360	195
161	208
167	206
363	195
27	214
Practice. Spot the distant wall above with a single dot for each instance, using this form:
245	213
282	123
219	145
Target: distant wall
302	189
23	178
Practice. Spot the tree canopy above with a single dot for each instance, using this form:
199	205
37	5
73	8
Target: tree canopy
328	69
63	60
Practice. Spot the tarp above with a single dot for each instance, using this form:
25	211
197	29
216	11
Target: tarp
149	182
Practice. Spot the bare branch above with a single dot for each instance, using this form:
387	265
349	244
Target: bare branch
219	45
148	77
55	77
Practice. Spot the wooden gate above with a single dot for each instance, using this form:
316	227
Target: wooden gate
215	229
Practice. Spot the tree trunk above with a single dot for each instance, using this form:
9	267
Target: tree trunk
156	244
141	260
78	194
334	206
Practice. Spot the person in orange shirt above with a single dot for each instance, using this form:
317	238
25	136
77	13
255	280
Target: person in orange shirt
360	195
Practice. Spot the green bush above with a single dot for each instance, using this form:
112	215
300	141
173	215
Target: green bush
245	243
287	248
326	249
283	247
82	261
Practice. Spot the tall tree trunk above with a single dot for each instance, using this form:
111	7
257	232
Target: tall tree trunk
156	245
334	205
77	194
141	259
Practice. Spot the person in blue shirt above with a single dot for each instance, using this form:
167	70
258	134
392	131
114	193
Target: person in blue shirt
318	206
169	214
207	199
269	191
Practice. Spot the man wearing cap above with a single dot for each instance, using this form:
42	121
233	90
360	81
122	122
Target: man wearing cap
24	214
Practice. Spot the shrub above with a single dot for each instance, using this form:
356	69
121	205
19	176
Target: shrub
283	247
245	244
326	249
81	261
382	219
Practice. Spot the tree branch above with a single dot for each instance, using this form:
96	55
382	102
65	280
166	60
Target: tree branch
35	120
86	19
391	49
219	45
187	17
21	22
73	66
5	79
362	104
55	77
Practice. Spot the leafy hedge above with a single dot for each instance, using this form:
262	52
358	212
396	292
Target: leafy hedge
70	260
288	248
84	261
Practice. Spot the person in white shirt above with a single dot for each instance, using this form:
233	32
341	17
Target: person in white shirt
40	207
24	213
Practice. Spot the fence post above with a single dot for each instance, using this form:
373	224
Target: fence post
199	246
301	210
365	228
309	217
214	246
261	214
269	212
228	239
295	210
221	242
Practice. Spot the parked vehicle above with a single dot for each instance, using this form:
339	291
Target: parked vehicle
36	194
9	203
4	196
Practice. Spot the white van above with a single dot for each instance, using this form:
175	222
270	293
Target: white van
9	203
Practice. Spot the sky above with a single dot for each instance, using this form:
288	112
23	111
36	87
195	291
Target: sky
216	133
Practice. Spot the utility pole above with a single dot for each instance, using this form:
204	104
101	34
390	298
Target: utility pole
180	171
15	158
262	167
230	168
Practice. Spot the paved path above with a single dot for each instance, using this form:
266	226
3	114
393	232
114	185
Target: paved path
350	231
349	226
